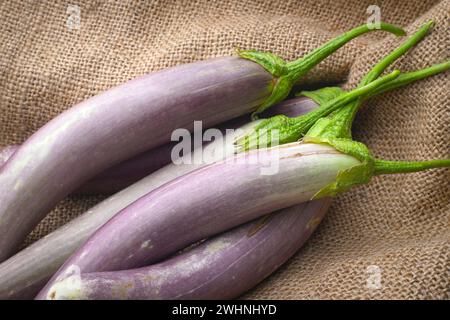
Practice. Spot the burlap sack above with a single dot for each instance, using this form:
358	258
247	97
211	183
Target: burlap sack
390	239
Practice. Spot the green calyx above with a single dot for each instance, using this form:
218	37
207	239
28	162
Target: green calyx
328	131
286	74
331	122
369	166
345	179
322	95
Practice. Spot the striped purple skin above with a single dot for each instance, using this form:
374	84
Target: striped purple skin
205	202
129	171
117	125
119	176
223	267
24	274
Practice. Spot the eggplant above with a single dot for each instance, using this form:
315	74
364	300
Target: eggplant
235	192
116	125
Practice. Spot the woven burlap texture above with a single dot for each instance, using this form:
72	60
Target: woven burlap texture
396	230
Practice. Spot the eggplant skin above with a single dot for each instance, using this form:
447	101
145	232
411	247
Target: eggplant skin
126	173
206	202
119	176
222	267
24	274
117	125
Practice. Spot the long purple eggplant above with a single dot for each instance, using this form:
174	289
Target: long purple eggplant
24	274
116	125
223	267
300	171
137	116
205	202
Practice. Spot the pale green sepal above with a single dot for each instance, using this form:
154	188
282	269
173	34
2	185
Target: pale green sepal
275	65
322	96
281	89
356	175
282	82
274	130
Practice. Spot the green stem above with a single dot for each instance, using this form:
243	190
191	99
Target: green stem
409	77
300	67
286	74
351	110
390	167
348	113
338	102
340	125
394	55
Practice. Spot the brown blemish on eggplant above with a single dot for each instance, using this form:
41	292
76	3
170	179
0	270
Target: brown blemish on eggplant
313	223
191	246
259	225
296	155
121	291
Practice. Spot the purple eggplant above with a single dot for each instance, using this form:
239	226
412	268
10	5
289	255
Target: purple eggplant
24	274
223	267
237	190
138	116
